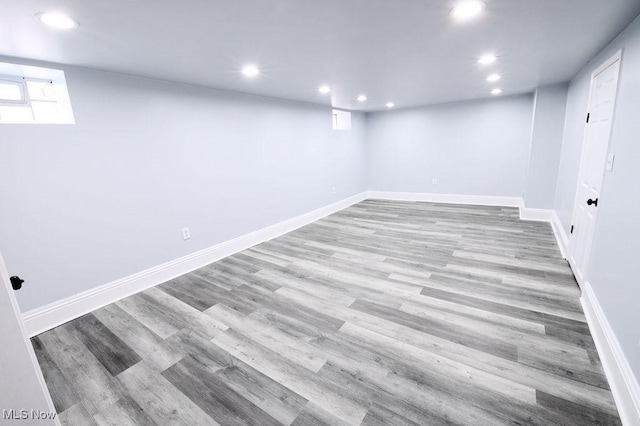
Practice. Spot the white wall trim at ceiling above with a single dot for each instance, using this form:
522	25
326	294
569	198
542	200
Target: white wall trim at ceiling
623	383
47	317
561	235
480	200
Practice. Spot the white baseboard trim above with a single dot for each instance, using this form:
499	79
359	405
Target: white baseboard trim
539	215
545	215
622	381
480	200
536	215
47	317
561	235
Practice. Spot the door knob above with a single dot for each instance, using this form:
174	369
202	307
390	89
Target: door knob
16	282
594	202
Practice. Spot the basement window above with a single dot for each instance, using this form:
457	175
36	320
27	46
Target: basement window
341	120
33	95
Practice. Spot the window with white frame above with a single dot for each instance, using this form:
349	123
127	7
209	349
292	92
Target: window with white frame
341	120
33	95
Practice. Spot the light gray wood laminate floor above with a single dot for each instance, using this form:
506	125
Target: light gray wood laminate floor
387	313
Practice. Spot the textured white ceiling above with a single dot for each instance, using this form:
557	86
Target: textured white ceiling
410	52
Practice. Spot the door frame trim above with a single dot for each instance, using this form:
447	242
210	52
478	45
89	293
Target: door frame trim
617	56
606	64
4	281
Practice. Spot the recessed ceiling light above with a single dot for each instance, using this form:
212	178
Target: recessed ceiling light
324	89
56	20
496	91
362	98
467	9
493	77
250	71
390	105
487	59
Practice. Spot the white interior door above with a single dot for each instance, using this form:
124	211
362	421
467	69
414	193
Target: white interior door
23	392
604	85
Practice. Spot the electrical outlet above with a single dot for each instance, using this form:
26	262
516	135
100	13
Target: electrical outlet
186	234
333	189
434	181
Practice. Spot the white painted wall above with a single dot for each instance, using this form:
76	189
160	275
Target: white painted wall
86	204
472	148
546	142
613	269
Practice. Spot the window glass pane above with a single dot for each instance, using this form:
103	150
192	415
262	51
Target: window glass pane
45	111
41	90
10	92
15	114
